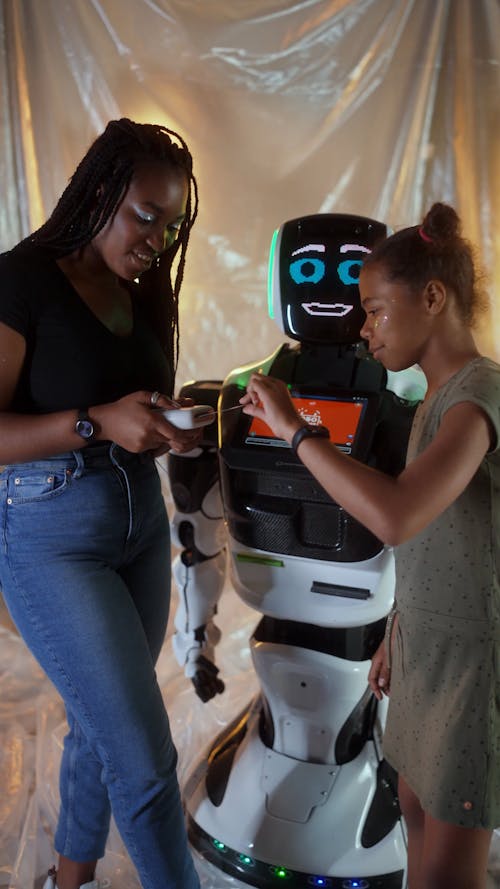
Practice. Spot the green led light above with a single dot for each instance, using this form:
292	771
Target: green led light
242	381
281	872
218	845
245	859
270	274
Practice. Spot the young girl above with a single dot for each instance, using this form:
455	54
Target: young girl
442	515
88	341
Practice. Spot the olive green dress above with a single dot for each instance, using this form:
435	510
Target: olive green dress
443	726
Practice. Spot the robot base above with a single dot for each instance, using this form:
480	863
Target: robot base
269	819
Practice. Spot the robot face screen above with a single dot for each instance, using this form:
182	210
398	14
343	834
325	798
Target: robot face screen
319	261
341	416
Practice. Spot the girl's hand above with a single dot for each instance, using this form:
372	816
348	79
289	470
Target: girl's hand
269	399
137	425
379	677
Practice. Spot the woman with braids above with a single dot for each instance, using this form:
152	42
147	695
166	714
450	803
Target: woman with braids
88	351
442	515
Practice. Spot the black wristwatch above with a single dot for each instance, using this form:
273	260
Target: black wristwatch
308	432
84	426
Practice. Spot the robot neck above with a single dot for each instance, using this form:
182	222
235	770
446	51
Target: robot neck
341	366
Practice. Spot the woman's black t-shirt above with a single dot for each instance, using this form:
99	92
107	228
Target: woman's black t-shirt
72	359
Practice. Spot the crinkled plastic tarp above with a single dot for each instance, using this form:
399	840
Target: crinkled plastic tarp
377	107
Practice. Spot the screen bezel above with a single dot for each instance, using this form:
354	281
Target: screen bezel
310	408
265	455
333	229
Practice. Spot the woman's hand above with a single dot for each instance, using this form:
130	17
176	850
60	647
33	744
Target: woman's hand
180	440
135	423
269	399
379	677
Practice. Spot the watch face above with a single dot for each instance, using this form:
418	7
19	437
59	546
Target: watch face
85	428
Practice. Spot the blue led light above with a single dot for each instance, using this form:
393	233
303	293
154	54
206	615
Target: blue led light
355	883
322	882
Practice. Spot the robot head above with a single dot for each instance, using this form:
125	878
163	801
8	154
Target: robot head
314	270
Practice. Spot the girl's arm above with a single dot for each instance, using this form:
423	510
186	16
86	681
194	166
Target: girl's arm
130	422
394	509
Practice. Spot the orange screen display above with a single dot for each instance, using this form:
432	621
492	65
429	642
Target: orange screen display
340	417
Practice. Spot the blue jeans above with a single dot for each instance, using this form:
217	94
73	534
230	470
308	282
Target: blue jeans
85	573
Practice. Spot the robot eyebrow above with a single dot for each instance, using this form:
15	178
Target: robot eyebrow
319	248
347	247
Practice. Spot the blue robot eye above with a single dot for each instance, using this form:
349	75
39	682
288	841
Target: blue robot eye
349	271
307	271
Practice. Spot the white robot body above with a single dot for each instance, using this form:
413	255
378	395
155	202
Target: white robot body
286	806
310	697
325	593
292	819
296	791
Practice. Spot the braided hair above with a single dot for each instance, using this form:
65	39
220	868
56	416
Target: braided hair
95	192
434	250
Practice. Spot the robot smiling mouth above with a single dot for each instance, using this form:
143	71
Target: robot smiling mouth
336	310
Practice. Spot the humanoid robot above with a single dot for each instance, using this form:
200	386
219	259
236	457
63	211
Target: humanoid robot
295	790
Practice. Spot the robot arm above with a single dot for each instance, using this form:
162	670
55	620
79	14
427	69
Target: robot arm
199	572
200	567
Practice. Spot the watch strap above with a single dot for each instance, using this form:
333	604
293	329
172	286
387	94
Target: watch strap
308	432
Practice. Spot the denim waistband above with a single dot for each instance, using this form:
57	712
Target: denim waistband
102	453
94	456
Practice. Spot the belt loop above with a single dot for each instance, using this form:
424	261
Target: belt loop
80	464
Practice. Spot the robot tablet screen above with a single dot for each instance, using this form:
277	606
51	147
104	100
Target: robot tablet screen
341	416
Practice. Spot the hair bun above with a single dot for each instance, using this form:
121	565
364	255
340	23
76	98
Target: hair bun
441	224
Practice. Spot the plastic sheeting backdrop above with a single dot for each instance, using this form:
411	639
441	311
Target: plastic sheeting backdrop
377	107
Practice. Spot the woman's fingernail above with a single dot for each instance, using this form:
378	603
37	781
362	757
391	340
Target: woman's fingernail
381	682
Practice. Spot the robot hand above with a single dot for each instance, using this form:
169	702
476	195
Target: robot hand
206	681
196	651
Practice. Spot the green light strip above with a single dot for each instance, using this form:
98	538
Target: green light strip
270	275
260	560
